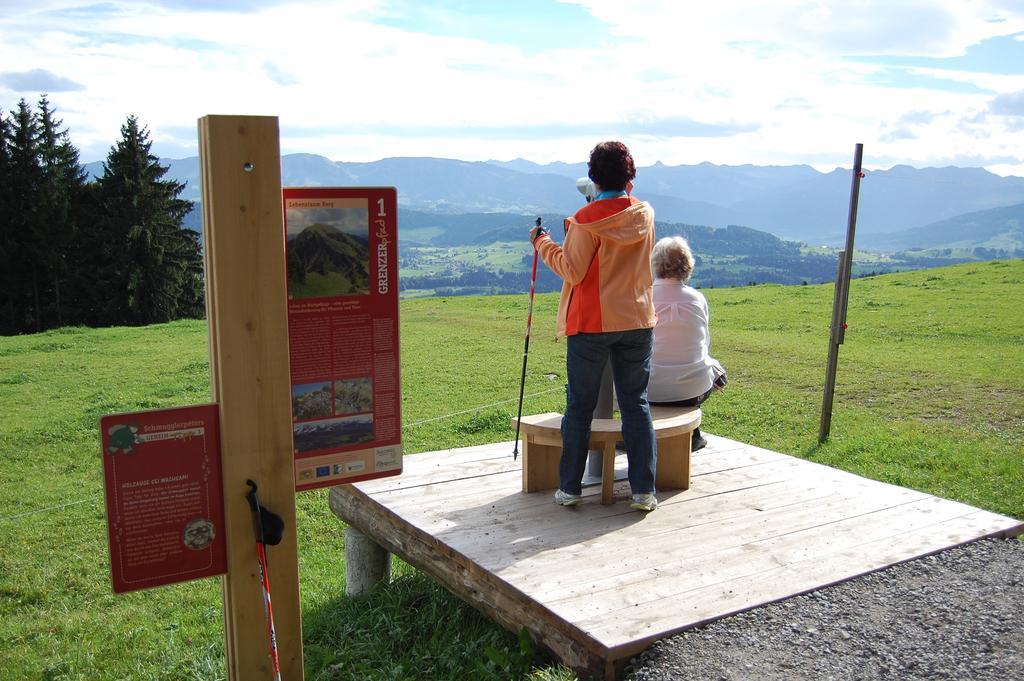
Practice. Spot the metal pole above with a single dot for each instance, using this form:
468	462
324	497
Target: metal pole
840	299
526	347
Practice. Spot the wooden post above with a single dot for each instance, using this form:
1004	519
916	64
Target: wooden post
840	298
367	564
246	294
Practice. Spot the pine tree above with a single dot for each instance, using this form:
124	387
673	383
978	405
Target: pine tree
156	273
8	323
25	236
62	185
91	274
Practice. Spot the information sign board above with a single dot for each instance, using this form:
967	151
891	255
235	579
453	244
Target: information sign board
164	496
342	255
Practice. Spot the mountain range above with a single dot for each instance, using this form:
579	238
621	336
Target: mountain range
899	208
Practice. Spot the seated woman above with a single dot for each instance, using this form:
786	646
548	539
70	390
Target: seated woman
682	371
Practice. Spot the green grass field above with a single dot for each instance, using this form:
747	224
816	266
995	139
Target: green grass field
930	395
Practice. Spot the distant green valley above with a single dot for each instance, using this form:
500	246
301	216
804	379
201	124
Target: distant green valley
484	254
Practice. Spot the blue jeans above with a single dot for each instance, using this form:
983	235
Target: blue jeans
586	356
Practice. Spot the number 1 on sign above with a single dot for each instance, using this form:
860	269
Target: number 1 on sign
380	208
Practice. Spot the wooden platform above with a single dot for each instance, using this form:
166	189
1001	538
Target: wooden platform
597	584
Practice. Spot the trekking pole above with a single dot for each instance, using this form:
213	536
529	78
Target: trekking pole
526	347
266	523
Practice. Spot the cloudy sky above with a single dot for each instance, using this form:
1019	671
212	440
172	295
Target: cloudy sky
919	82
352	219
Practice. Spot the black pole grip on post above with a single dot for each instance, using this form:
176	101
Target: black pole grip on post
268	525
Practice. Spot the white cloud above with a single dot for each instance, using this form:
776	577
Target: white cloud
937	28
778	76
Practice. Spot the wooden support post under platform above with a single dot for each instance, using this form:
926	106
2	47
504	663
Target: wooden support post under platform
367	564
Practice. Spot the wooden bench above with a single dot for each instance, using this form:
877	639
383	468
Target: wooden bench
542	448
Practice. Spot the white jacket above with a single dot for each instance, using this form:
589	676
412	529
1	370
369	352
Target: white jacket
681	367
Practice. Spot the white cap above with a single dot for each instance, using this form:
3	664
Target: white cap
586	187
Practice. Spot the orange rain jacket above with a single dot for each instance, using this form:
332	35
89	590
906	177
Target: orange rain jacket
605	263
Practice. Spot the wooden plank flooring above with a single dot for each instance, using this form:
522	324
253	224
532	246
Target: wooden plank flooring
597	584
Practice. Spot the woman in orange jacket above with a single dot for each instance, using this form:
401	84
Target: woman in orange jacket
606	310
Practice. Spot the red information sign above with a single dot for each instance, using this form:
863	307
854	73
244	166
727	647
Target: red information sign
343	333
165	508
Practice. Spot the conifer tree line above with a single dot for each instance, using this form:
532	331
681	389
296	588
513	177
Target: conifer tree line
75	251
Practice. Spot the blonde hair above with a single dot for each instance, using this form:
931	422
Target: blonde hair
672	259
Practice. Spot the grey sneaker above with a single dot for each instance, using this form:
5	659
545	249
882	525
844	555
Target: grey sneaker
566	499
644	502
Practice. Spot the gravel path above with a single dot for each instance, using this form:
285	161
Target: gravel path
958	614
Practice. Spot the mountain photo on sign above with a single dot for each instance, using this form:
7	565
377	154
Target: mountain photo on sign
332	433
328	249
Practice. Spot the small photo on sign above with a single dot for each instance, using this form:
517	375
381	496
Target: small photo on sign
311	401
341	432
353	396
328	249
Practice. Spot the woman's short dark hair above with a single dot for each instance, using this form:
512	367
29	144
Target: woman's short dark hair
672	259
611	166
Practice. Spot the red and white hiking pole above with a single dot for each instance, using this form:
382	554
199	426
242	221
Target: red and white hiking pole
269	529
526	345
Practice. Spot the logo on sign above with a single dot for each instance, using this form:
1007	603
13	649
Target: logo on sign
382	248
123	438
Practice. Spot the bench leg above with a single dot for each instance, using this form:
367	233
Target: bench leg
366	563
540	465
608	473
673	470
